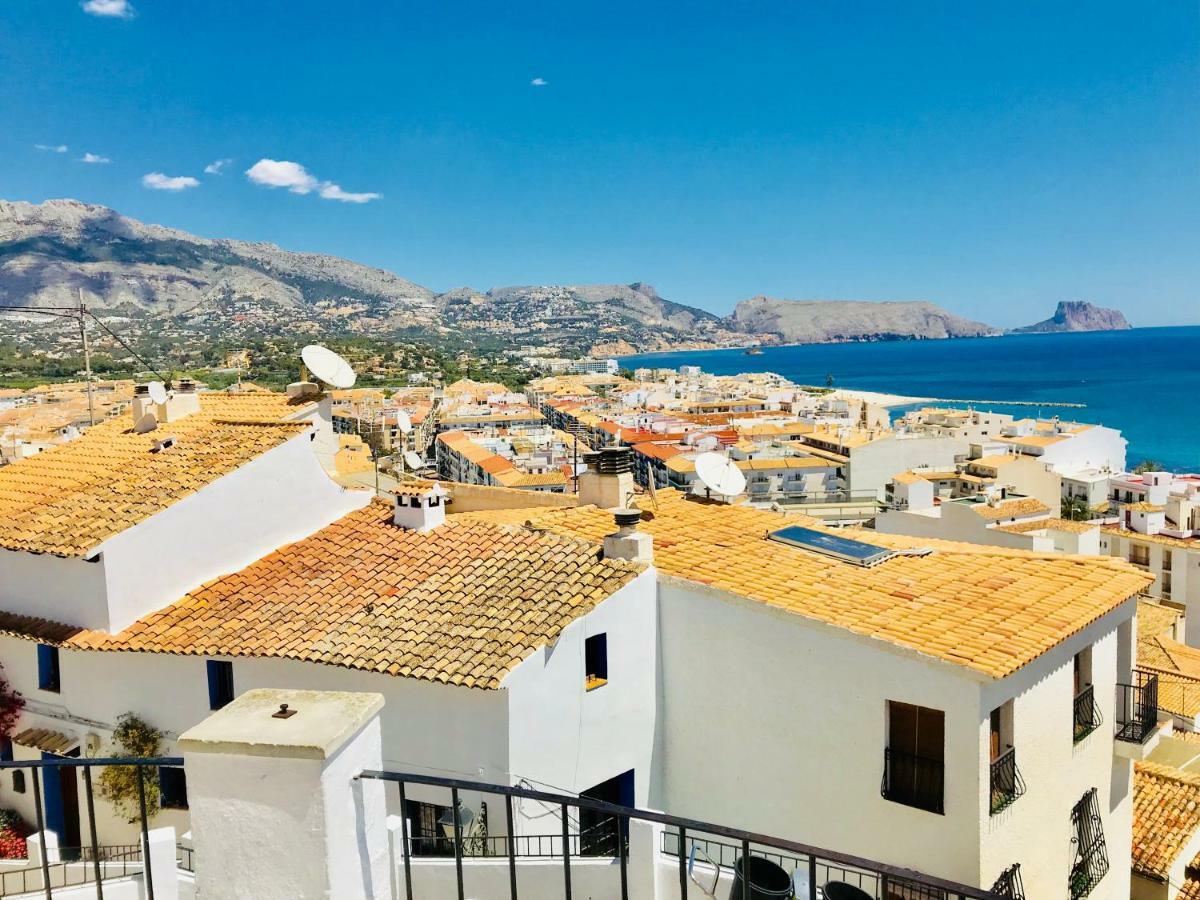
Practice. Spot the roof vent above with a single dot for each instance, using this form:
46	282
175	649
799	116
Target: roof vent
165	444
615	460
857	553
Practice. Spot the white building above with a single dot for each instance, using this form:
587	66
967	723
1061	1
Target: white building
749	660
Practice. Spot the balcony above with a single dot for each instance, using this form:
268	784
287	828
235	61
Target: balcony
1006	782
1137	716
1087	714
913	780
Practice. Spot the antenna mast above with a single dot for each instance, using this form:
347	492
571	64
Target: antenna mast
87	358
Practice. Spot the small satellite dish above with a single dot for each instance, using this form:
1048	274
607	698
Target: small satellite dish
403	422
158	393
327	366
146	423
720	474
412	460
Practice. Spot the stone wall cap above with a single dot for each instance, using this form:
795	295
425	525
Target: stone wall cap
320	723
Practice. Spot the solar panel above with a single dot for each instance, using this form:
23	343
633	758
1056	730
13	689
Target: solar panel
845	549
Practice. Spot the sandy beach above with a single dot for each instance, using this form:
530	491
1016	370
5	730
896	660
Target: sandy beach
879	399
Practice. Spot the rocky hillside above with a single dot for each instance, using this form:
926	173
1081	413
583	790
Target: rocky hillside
49	251
1078	315
820	321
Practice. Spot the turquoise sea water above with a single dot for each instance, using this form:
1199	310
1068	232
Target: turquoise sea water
1145	382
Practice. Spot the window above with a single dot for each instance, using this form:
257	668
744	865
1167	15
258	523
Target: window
1166	560
18	781
1091	856
1087	714
914	761
48	675
1005	778
6	751
595	661
1139	555
172	788
220	683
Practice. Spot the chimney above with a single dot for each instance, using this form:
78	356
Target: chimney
627	542
608	481
302	389
142	403
183	401
420	505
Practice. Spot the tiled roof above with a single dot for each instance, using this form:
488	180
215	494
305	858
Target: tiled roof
1178	669
1155	619
1165	539
69	499
45	739
907	478
1010	509
1055	524
1166	816
990	609
1145	506
462	604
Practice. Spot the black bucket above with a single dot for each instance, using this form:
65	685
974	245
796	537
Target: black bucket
839	890
767	880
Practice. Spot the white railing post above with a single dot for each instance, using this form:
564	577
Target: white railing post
277	810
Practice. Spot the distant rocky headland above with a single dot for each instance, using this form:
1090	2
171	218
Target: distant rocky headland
1078	315
177	284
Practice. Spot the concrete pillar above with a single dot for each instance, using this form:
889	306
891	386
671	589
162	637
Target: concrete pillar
163	868
276	810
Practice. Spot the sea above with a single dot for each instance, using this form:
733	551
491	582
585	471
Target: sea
1145	381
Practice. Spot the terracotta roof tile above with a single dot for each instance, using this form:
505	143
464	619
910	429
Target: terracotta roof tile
1166	815
987	608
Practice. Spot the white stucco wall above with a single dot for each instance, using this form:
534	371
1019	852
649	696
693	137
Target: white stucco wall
279	497
568	739
873	465
38	584
778	724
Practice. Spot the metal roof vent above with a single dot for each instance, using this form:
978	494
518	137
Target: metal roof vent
857	553
615	461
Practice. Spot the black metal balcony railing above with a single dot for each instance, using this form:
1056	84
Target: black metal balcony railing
1009	884
1090	863
809	864
913	780
1087	714
1006	782
106	862
600	840
1137	708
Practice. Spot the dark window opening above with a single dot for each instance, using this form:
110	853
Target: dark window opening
1091	855
595	658
172	788
427	836
220	683
48	672
600	833
914	761
18	781
6	750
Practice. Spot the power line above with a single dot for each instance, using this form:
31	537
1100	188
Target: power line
77	313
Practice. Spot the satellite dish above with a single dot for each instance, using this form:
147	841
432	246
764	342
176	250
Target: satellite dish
146	423
720	474
327	366
158	393
403	422
412	460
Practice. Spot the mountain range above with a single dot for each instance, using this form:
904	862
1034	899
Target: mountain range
50	252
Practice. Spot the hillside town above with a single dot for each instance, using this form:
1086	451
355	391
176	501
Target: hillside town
987	626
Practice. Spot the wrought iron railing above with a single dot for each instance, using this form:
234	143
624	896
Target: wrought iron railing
103	865
600	840
1006	782
1090	862
1087	714
1137	708
1009	884
913	780
810	861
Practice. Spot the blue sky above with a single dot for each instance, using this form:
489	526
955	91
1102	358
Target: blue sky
992	157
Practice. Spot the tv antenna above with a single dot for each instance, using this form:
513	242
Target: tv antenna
82	314
325	365
719	474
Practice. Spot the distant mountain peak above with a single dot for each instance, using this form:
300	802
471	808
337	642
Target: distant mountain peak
1078	315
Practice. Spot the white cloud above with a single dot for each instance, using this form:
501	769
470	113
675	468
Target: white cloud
331	191
157	181
94	159
539	82
280	173
51	148
113	9
215	167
